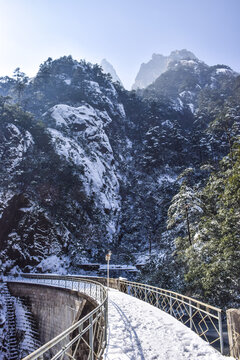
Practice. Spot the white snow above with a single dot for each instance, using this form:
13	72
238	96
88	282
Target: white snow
188	62
85	144
121	110
223	71
186	93
28	342
191	107
52	264
94	85
168	123
178	104
118	267
166	178
18	145
139	331
64	114
68	81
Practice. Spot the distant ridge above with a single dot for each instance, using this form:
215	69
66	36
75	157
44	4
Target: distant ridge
151	70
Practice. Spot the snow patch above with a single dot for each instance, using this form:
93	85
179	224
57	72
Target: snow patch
68	81
138	330
166	178
121	110
223	71
52	264
191	107
94	85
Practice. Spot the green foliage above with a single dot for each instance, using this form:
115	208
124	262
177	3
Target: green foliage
14	114
21	81
213	261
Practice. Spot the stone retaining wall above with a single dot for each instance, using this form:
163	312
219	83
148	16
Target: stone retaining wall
54	309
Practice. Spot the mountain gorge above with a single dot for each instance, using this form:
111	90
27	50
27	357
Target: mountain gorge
88	166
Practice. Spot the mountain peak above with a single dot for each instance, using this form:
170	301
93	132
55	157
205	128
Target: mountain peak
151	70
183	54
109	69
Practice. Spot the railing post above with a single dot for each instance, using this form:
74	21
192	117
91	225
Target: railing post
190	314
91	338
233	325
157	300
106	318
171	309
220	331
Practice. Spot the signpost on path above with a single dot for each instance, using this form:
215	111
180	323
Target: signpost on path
108	257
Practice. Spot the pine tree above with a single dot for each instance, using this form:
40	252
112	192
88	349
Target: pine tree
21	81
214	262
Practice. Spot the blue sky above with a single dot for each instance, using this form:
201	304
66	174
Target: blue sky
125	32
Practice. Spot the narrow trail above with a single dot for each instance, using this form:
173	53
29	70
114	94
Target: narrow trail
132	349
139	331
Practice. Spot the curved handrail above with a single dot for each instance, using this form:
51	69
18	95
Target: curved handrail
71	341
199	316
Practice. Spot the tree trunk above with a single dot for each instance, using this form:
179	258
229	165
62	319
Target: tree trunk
188	227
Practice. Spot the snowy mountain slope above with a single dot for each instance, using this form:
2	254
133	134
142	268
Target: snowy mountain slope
92	166
151	70
63	162
186	81
14	145
80	139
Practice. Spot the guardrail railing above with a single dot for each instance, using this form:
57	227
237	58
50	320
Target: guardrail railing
202	318
86	338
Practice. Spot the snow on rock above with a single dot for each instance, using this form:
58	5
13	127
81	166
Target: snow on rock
188	62
139	331
68	81
26	328
52	264
166	178
121	110
191	107
93	87
178	104
68	116
105	96
79	137
3	318
15	145
3	325
224	71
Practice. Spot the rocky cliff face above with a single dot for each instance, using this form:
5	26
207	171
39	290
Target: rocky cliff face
60	166
87	165
151	70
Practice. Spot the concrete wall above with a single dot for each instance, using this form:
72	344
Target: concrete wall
55	309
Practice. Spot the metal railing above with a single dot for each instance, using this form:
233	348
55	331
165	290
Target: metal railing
202	318
87	338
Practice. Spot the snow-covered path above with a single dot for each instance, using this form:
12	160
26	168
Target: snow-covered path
139	331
